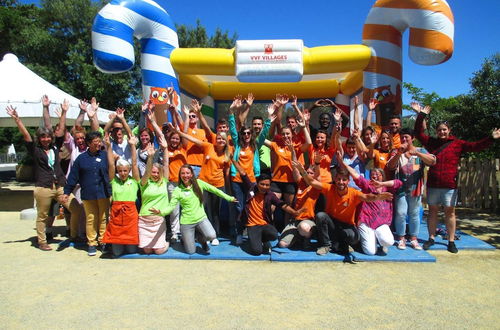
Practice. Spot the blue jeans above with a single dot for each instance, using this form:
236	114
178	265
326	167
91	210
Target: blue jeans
240	193
203	230
407	205
212	208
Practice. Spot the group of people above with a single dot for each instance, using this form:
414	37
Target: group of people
142	189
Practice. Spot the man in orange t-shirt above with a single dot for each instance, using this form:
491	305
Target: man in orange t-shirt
336	226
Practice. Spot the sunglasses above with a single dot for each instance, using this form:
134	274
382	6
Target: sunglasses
247	133
192	116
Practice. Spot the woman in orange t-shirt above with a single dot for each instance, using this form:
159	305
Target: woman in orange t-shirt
214	170
379	150
283	184
321	154
302	227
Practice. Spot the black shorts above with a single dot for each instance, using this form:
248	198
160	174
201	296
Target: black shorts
284	187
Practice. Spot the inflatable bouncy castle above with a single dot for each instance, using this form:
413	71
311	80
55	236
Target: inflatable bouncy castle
267	67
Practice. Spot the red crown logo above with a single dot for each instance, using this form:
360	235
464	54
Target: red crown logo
268	48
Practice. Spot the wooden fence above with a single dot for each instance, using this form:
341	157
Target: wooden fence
478	183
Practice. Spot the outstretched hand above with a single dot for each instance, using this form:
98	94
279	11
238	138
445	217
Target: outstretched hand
385	196
373	104
496	133
418	108
133	140
107	140
196	106
11	111
45	101
162	142
250	98
65	105
150	150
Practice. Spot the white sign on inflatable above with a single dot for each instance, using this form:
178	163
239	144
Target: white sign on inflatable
269	60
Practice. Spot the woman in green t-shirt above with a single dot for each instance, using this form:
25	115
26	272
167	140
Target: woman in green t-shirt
122	229
152	227
189	193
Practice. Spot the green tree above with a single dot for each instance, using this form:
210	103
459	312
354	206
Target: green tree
471	116
197	37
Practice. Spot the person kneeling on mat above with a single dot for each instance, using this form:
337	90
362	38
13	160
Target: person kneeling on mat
336	227
257	215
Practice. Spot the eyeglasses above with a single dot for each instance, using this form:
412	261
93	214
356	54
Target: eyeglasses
192	116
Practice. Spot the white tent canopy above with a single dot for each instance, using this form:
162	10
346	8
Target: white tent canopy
23	89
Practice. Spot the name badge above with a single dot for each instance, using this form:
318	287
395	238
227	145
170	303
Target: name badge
171	153
187	193
282	150
346	204
242	152
98	160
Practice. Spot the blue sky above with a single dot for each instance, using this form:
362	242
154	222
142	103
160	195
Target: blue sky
318	23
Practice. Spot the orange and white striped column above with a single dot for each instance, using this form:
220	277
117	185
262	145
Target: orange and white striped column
431	28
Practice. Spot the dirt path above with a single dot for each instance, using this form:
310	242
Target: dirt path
69	289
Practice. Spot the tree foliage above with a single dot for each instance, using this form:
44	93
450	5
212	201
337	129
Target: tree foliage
197	37
54	40
471	116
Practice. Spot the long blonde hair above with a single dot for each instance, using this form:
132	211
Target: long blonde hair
227	154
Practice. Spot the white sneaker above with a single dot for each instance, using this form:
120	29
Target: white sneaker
385	249
402	244
215	242
239	240
414	244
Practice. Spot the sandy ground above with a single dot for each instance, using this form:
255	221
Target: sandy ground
68	289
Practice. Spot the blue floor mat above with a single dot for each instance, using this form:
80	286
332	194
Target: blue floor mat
393	255
466	242
224	251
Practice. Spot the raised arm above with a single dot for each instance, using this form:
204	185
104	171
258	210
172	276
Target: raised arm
164	147
62	120
279	104
92	114
419	123
427	158
307	178
111	156
371	106
271	117
81	116
46	116
196	106
135	169
120	114
296	173
11	111
245	110
186	136
108	125
149	165
352	172
149	110
392	164
307	137
374	139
